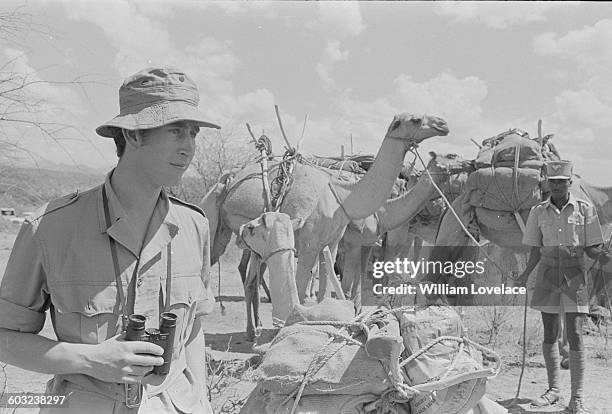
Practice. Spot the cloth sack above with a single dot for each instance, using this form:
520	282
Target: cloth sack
494	188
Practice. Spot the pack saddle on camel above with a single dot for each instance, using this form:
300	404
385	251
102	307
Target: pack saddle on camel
326	359
326	205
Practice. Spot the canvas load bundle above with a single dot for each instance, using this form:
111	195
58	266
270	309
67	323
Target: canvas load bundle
311	368
504	188
504	149
456	365
508	174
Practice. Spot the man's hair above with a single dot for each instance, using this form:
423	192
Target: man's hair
120	140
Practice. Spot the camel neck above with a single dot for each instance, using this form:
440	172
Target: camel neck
284	263
365	196
398	210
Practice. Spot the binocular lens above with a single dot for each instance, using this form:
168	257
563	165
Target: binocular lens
137	321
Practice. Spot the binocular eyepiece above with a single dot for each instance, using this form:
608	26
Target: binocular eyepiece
164	336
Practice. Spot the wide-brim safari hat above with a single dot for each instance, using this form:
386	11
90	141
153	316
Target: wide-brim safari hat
155	97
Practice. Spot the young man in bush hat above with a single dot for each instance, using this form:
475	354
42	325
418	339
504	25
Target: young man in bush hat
124	247
561	230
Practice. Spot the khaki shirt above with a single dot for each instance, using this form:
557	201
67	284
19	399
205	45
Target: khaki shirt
575	226
62	261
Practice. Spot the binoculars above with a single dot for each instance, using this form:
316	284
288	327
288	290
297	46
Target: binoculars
164	336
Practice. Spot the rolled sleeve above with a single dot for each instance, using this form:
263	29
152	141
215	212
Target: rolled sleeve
592	228
24	295
206	306
533	234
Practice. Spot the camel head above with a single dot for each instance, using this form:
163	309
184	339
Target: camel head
416	128
269	233
448	164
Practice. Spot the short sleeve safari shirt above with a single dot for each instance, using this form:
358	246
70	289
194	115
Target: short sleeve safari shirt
61	262
575	225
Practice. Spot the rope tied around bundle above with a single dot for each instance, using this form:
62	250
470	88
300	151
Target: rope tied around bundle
399	392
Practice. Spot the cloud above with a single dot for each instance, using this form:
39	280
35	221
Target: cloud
339	19
457	100
583	110
48	123
496	15
590	47
332	55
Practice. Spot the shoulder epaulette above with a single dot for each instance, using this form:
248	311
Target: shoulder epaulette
59	203
582	200
186	204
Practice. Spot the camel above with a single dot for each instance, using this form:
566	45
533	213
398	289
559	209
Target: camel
325	204
391	215
271	237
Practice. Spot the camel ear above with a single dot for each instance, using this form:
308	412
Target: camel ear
297	223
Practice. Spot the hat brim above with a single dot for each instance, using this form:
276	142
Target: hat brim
155	116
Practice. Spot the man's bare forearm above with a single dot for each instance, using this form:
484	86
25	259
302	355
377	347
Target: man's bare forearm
532	262
40	354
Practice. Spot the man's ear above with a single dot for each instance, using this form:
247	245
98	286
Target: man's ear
297	223
130	137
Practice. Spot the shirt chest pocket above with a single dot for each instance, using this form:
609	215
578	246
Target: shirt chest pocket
187	292
576	222
85	313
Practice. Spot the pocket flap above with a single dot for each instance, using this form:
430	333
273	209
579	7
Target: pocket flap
88	300
187	289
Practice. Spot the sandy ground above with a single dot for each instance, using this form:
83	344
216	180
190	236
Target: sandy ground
225	340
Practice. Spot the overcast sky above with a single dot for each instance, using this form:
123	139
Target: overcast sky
484	67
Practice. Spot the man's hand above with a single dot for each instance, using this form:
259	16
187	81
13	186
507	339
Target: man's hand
604	258
117	360
522	280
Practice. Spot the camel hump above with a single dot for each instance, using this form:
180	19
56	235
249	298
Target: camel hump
184	203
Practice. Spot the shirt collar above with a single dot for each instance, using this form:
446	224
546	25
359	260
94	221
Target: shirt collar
164	212
571	200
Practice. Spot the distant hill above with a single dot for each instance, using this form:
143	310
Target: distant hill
26	189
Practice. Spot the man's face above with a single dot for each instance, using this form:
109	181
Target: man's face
559	188
165	153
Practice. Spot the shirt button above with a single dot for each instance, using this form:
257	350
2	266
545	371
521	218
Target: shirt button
139	283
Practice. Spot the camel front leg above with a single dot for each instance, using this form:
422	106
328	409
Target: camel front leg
250	291
333	279
306	261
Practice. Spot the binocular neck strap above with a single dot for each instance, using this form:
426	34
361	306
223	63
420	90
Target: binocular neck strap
168	277
132	284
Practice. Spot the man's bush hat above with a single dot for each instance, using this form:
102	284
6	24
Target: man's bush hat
155	97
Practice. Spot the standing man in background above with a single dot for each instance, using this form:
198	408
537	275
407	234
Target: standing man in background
124	247
561	230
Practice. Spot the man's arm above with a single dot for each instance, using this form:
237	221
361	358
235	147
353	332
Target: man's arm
534	258
114	360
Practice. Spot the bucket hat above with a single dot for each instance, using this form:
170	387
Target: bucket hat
155	97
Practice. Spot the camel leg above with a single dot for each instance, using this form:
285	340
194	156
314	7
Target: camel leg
364	260
244	264
330	272
242	269
417	245
263	282
322	272
250	286
255	292
351	268
306	261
